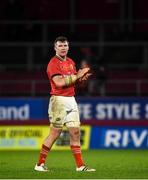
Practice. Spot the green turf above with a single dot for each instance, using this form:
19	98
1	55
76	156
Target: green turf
132	164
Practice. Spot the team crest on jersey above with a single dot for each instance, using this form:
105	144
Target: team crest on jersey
71	67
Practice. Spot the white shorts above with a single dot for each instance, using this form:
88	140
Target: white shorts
63	111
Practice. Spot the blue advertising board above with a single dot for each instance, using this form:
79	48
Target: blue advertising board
23	109
90	108
113	108
119	138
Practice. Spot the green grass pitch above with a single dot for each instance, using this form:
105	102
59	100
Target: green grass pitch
110	164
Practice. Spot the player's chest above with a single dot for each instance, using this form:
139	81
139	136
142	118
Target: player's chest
67	68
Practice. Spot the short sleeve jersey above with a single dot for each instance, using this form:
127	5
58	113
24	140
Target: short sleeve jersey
58	67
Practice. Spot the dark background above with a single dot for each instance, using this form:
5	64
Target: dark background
110	35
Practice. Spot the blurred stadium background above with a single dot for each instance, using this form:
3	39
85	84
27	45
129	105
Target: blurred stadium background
110	35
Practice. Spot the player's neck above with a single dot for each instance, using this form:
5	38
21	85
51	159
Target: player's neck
61	58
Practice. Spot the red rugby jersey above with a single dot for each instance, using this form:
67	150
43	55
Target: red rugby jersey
58	67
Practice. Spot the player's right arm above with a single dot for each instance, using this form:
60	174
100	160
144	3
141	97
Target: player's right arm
62	81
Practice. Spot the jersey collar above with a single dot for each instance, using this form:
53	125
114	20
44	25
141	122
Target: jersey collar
60	58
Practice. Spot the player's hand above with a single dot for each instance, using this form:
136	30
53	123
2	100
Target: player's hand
82	72
85	77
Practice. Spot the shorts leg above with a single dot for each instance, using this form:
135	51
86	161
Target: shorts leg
56	112
72	119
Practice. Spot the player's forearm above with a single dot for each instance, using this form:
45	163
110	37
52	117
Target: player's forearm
65	81
71	79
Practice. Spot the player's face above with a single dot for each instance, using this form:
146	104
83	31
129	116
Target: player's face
61	48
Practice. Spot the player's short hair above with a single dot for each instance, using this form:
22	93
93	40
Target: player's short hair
60	38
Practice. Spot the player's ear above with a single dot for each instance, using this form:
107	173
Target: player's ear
55	47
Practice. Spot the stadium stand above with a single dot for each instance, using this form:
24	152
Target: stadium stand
117	83
105	37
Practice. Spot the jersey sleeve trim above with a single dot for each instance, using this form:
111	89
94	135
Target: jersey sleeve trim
55	75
